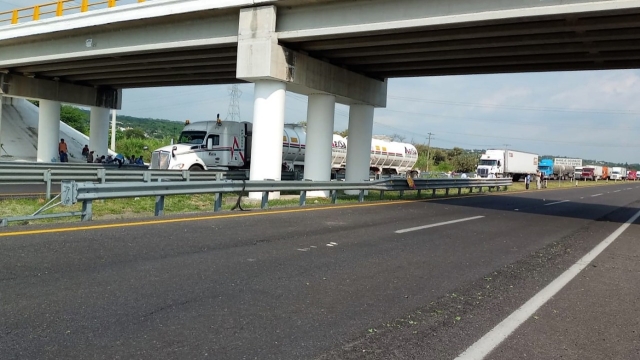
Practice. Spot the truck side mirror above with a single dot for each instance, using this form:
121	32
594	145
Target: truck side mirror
209	143
499	163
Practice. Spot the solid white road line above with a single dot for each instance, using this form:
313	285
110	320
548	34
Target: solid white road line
557	202
596	195
437	224
499	333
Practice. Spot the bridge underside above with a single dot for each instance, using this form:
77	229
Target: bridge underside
597	40
203	66
592	41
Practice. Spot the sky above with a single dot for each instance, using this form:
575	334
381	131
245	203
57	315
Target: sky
589	114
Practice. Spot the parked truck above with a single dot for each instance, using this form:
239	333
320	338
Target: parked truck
226	145
632	175
595	172
618	173
564	168
507	163
545	166
577	172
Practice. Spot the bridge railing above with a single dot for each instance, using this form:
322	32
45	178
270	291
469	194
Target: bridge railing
86	193
54	9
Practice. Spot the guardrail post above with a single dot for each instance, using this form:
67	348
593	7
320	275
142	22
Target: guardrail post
217	201
361	196
102	176
447	191
303	198
480	189
87	210
4	223
419	193
433	193
334	196
471	190
159	210
47	180
401	194
381	194
265	200
186	175
459	191
146	176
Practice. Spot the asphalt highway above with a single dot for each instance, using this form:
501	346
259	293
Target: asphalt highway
407	280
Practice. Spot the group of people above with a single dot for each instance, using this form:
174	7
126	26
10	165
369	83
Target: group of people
88	154
538	177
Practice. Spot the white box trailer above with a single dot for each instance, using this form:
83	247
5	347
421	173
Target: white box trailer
507	163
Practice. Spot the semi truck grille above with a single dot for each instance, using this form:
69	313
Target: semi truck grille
483	172
160	160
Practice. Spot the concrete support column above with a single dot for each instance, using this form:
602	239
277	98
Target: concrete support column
48	131
317	158
268	130
99	131
359	143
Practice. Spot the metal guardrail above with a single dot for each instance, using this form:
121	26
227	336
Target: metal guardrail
73	192
53	9
48	174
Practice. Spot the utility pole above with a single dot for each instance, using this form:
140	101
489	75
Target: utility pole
428	151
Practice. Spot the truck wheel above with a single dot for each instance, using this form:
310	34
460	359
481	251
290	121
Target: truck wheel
196	168
516	178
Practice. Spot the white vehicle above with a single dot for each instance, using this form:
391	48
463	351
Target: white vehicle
577	173
226	145
617	173
507	163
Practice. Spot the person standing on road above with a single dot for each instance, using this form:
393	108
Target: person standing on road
62	150
90	157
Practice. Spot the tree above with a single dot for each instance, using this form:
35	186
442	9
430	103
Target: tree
465	163
136	133
455	152
344	133
438	156
74	117
398	137
302	123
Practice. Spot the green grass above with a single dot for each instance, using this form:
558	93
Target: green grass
184	204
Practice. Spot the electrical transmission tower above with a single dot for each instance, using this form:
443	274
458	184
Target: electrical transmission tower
233	114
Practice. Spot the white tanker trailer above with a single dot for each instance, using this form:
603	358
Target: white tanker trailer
226	145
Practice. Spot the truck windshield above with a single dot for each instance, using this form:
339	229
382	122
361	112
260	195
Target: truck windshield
192	137
488	162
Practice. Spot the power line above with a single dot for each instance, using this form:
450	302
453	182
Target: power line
516	107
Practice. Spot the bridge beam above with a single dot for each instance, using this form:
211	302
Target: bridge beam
260	57
32	88
48	131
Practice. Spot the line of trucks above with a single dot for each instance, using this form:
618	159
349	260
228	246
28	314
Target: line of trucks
517	164
226	145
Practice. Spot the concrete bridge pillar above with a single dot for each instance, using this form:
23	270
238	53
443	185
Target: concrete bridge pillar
48	131
268	130
99	131
359	143
317	160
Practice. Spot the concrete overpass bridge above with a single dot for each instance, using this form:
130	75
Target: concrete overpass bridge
331	50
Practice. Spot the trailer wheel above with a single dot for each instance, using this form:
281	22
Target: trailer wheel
196	168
